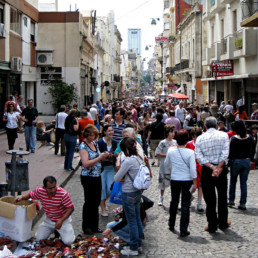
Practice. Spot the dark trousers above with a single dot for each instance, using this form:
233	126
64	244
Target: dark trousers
44	137
178	187
92	197
11	137
60	136
209	186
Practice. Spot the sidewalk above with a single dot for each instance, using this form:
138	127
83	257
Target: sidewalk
41	163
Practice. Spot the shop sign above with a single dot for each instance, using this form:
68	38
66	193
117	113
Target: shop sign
161	39
222	68
172	86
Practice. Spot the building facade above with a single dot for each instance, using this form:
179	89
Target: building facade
134	40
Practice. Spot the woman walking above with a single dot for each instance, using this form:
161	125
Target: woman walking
183	177
91	179
161	153
240	153
131	197
107	144
70	138
11	117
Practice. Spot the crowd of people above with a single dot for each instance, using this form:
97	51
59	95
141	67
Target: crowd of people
193	145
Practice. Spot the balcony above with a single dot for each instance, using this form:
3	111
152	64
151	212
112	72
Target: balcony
227	48
216	6
245	43
249	13
181	66
170	70
205	57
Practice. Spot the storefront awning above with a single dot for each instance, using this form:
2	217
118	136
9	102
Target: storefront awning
242	76
5	66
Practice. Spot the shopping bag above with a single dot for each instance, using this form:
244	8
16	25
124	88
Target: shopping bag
116	194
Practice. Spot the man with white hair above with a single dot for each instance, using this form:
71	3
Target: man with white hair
94	113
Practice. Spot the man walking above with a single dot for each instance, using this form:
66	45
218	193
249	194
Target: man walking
60	130
180	112
172	120
30	117
211	151
58	207
118	124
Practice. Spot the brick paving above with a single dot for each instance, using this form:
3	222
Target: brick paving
240	240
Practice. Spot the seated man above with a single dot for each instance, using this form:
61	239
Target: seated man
58	207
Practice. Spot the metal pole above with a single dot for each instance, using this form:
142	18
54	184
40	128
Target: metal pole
13	171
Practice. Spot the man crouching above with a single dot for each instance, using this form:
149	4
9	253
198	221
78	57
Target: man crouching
58	207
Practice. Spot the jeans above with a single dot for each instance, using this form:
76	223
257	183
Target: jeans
209	186
145	146
123	233
107	178
30	137
239	167
131	205
70	143
178	187
92	192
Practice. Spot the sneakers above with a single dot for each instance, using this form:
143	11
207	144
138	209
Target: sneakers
200	207
242	207
129	252
160	203
128	247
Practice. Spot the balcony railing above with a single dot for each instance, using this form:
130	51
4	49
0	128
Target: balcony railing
181	66
249	8
170	70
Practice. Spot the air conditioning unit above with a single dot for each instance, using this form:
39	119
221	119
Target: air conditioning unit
16	64
44	58
2	30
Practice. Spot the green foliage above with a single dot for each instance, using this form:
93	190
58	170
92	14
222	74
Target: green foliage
62	93
147	78
238	43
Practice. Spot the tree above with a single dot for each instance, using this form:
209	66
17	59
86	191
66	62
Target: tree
147	78
61	92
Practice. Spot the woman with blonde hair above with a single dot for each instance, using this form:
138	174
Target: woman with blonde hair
42	134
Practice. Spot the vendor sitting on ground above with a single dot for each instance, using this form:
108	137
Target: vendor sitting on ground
58	207
120	226
42	134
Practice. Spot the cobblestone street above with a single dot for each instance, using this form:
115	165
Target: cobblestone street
240	240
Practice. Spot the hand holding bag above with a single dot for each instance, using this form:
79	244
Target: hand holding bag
116	194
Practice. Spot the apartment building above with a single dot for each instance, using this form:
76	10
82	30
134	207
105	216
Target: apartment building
229	55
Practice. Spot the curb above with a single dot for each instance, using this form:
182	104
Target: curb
62	184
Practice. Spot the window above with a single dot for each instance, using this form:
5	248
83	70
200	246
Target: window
212	34
48	74
222	29
166	26
15	20
1	13
193	50
32	31
25	21
234	21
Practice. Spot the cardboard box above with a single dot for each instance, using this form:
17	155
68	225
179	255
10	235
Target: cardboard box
16	219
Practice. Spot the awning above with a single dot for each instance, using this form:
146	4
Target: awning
242	76
5	66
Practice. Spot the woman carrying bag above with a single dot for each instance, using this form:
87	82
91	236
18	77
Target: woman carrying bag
131	196
107	144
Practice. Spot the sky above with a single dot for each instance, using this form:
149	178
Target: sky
129	14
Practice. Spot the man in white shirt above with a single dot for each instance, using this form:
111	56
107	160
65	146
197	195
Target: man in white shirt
60	130
180	112
239	102
94	113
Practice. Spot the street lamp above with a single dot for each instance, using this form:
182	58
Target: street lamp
154	21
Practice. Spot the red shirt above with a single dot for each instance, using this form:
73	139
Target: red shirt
83	123
231	133
190	145
56	206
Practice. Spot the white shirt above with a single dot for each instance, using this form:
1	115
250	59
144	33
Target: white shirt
180	114
93	112
239	103
60	120
12	119
229	108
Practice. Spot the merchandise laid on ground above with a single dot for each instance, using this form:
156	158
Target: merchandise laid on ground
82	247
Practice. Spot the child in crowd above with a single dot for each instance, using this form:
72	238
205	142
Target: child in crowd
42	134
195	132
161	153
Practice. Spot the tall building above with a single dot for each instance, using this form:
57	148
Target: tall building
134	40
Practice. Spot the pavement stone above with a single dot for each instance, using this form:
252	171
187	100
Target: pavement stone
240	240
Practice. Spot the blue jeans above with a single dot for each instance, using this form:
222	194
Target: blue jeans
107	178
145	146
131	205
123	233
70	142
239	167
30	137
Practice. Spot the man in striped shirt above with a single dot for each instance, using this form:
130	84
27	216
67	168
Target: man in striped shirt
58	207
118	124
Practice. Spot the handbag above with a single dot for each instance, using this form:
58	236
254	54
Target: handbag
116	194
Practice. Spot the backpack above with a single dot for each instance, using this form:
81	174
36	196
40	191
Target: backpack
143	179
